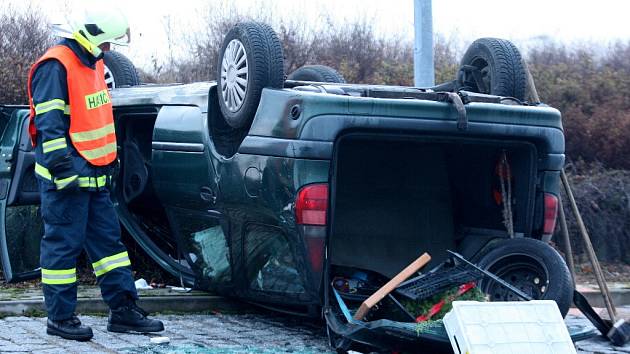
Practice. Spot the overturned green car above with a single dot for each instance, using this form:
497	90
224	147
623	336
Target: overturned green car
267	188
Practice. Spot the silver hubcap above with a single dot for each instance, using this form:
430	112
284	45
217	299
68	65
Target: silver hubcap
109	78
234	75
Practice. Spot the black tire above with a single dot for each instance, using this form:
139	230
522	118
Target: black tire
532	266
119	70
501	67
264	68
317	73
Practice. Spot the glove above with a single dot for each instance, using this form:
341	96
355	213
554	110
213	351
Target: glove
63	174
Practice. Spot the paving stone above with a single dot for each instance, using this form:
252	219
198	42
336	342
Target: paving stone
12	348
230	334
50	351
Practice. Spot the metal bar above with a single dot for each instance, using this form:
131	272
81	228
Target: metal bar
423	67
507	285
568	250
610	307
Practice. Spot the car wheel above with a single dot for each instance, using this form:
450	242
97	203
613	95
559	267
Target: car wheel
119	70
533	267
250	59
493	66
317	73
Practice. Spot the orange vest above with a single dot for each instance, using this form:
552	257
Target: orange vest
91	116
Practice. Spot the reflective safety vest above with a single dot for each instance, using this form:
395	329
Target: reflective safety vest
90	107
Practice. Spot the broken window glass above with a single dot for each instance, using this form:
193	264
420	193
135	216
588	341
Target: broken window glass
270	262
205	245
24	230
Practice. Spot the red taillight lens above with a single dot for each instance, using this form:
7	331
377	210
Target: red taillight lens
311	205
551	213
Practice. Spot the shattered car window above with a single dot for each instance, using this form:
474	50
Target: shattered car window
24	231
270	262
206	246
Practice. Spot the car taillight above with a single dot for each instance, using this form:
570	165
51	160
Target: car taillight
311	205
551	213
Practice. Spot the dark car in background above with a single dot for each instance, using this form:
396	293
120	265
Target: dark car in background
266	188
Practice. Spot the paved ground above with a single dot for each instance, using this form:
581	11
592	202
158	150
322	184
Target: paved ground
214	333
188	334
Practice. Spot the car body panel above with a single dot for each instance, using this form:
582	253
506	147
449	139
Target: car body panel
195	94
20	223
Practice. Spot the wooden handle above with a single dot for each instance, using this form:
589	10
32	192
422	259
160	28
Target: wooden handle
391	285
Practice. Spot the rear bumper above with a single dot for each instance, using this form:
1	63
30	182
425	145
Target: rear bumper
319	134
386	335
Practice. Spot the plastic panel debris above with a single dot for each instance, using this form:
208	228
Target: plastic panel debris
507	327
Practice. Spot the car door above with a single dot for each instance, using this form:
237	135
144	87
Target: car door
185	180
21	227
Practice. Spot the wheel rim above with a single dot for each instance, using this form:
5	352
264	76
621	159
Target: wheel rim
109	78
234	75
521	271
484	68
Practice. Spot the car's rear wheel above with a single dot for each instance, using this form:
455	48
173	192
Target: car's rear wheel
317	73
493	66
119	70
530	265
250	59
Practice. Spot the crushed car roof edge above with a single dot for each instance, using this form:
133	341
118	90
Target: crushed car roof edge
166	94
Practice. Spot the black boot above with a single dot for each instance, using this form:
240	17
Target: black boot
131	318
69	329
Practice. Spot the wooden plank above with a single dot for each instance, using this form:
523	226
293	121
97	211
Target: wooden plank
375	298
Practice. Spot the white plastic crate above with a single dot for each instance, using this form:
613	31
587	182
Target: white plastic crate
514	327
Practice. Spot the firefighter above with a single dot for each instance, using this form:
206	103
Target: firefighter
72	130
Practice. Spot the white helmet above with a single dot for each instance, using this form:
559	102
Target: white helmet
95	27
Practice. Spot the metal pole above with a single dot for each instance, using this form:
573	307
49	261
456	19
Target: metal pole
599	275
568	250
423	67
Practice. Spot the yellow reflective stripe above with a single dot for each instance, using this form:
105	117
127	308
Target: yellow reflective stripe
59	271
85	182
93	134
99	152
107	264
68	280
92	182
42	171
63	182
55	144
66	110
59	276
50	105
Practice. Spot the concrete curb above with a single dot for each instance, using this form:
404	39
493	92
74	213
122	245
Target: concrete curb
153	304
619	297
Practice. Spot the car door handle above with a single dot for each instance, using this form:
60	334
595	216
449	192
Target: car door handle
208	195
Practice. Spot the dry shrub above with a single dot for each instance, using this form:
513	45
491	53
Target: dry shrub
589	86
603	198
24	36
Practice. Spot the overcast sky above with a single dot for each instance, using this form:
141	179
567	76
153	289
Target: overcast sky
524	22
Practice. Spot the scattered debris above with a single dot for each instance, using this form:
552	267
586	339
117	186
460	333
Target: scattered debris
160	340
142	284
534	326
381	293
179	288
435	307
